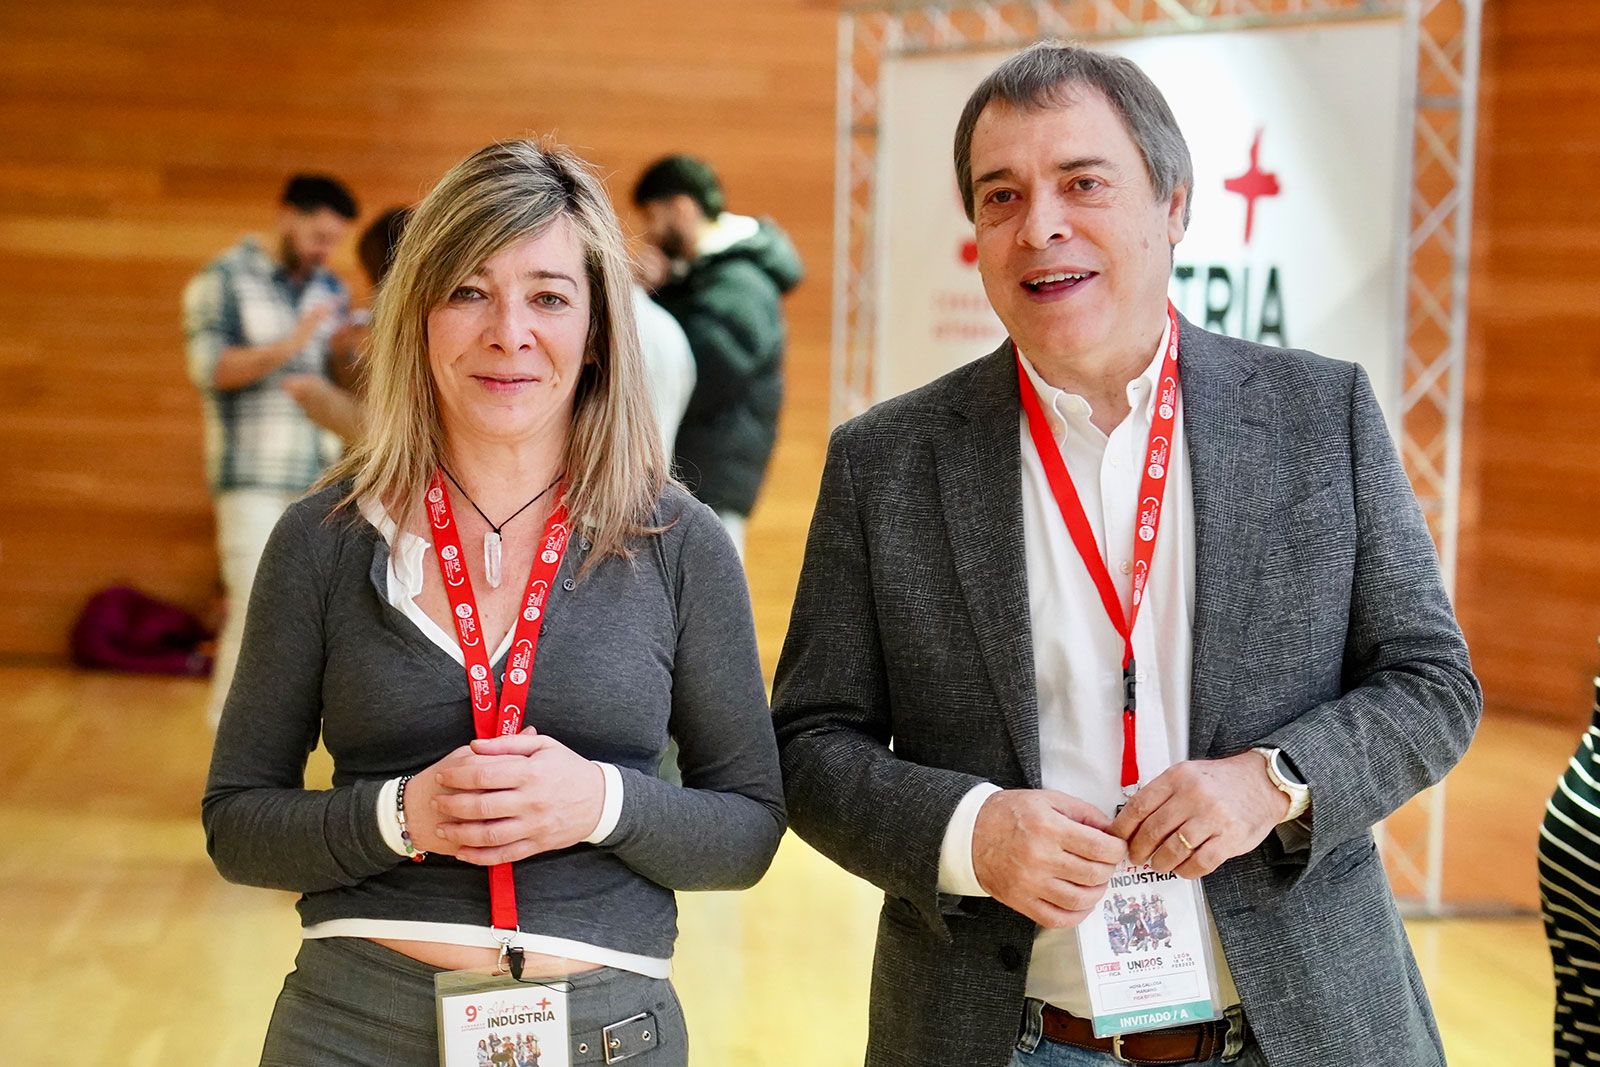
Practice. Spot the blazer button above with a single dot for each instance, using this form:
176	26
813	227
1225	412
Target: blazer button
1010	958
568	585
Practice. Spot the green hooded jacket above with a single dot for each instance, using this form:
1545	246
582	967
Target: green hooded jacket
729	304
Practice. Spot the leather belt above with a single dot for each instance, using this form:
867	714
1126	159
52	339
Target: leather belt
1179	1044
617	1042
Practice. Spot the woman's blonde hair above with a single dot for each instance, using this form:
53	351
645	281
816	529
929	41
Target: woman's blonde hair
498	196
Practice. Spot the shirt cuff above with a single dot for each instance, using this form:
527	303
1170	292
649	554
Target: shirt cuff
1295	834
611	809
389	816
956	875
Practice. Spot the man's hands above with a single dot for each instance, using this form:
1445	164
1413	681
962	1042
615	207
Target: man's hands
1199	814
240	366
503	799
1049	855
310	322
1044	854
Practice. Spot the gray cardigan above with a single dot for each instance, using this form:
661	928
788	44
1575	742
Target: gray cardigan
633	651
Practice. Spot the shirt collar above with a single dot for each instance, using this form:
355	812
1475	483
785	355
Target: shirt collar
407	551
1065	410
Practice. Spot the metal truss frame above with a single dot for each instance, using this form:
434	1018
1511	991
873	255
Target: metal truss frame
1433	239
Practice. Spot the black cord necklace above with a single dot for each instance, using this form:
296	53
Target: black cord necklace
491	540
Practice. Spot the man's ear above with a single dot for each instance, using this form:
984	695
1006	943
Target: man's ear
1177	208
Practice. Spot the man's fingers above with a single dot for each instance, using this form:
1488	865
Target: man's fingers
1205	859
1140	805
1076	809
1070	867
1095	846
1069	896
1083	829
1156	828
1052	917
1177	847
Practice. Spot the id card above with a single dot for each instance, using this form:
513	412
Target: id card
495	1021
1147	954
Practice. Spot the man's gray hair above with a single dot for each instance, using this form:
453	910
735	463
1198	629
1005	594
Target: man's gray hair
1050	74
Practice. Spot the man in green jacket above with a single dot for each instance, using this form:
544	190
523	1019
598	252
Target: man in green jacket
722	276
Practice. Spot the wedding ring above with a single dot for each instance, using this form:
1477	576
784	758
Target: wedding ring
1185	841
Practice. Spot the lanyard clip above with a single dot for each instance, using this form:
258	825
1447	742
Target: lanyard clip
511	954
1130	686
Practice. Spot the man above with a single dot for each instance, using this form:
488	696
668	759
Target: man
255	317
335	405
722	276
957	702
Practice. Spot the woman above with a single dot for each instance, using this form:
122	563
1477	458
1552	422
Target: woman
507	411
1569	871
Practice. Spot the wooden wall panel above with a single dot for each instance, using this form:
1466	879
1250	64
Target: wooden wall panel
138	141
1528	590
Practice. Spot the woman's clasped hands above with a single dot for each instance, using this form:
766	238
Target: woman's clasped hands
502	799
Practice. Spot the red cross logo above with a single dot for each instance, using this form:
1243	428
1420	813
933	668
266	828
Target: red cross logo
544	1005
1253	183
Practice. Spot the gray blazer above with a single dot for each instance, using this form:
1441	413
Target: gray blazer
1321	627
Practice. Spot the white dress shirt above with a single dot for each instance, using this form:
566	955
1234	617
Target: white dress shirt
1077	651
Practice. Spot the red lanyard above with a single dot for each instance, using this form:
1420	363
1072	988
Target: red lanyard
1152	482
489	720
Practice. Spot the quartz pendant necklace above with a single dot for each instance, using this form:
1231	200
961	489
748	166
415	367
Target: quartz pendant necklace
491	540
491	558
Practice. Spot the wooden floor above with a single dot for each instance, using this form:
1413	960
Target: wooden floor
120	945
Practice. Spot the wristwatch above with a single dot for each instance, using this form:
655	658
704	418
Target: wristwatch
1288	781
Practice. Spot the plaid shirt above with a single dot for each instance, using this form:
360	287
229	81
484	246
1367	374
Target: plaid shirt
257	437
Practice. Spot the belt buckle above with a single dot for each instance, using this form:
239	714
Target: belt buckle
609	1045
1116	1049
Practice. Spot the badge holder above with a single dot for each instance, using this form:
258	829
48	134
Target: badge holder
1147	956
496	1018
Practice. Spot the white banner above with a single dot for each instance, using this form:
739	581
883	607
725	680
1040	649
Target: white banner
1299	201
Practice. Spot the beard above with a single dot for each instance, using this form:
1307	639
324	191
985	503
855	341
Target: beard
674	244
290	255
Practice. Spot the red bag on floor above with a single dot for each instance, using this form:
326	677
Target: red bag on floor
122	629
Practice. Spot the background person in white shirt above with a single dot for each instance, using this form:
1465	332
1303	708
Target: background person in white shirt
668	361
950	700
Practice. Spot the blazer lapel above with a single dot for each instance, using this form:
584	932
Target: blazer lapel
979	468
1227	424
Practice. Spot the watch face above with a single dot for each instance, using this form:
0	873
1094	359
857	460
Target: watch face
1286	768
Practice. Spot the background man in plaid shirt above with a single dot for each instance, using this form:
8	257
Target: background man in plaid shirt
259	317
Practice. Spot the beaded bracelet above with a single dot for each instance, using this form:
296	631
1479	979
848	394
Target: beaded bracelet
412	851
